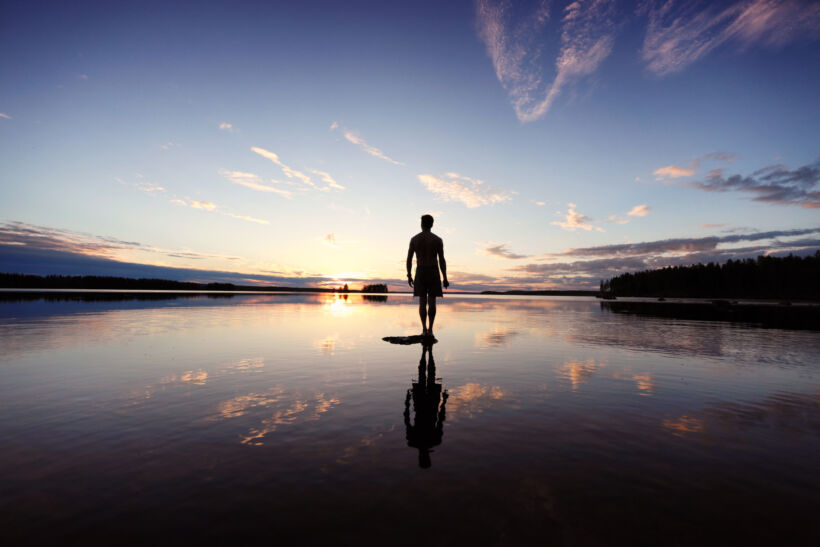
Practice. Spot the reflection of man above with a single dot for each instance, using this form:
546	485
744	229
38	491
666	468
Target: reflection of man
428	429
429	250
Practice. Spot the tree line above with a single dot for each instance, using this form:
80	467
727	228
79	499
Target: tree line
28	281
375	287
786	277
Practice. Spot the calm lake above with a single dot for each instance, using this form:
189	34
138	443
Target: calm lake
261	418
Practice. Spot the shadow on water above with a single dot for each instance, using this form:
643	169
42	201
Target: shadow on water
374	297
427	428
773	316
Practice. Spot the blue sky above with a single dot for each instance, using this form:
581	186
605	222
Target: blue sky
299	143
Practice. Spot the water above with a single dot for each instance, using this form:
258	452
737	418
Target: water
286	418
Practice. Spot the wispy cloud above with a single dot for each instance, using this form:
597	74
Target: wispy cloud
154	190
144	186
214	208
500	250
576	221
471	192
168	145
197	204
4	115
516	48
679	246
54	239
711	225
253	181
617	220
361	143
681	32
328	179
245	217
330	241
225	126
772	184
673	171
676	172
591	264
289	172
639	211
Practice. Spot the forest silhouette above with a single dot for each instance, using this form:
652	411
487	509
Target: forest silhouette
785	278
26	281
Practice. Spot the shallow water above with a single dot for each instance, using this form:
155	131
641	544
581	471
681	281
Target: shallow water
262	418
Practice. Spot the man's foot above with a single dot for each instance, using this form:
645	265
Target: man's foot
424	332
429	333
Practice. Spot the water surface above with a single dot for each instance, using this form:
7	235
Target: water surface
286	418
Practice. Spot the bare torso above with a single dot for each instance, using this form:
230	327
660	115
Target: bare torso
427	246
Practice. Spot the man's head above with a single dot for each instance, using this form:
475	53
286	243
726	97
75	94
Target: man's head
427	221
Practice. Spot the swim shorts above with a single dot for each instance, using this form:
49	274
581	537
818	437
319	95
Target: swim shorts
427	281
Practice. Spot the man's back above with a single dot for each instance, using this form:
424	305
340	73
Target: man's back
427	247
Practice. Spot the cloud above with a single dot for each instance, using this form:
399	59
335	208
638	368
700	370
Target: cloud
43	238
772	184
334	126
611	260
501	250
616	219
168	145
576	221
587	36
639	211
252	181
207	205
327	178
471	192
673	171
288	171
330	241
681	32
245	217
214	208
676	172
4	115
680	245
144	186
711	225
372	150
224	126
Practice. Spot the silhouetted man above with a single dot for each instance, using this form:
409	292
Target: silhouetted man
429	404
429	250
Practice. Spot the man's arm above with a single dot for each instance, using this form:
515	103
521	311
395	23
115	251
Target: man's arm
442	264
410	264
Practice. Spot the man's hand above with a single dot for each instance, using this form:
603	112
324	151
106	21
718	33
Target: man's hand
410	280
446	284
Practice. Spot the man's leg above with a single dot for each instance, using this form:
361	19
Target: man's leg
423	313
432	312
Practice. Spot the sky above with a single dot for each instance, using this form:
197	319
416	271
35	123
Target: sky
298	143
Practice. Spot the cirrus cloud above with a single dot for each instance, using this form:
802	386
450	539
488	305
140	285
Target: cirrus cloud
471	192
680	32
515	48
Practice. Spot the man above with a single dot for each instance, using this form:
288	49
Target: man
429	250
